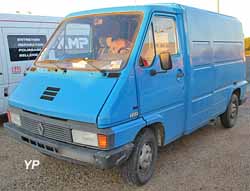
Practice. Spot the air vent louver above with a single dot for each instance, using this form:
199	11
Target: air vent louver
50	93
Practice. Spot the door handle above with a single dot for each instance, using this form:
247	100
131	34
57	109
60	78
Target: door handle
153	72
180	74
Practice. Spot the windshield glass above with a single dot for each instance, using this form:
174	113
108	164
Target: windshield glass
95	42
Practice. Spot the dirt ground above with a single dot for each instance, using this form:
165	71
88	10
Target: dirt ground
213	158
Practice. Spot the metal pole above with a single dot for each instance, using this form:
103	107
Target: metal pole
218	6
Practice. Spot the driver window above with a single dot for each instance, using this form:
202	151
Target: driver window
165	35
148	50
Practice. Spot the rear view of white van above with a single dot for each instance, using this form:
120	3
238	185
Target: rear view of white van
21	38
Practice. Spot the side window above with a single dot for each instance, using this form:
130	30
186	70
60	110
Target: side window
165	35
148	50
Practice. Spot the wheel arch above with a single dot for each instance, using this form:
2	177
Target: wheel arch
240	89
237	91
158	130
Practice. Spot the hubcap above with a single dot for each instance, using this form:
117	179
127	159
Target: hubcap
146	156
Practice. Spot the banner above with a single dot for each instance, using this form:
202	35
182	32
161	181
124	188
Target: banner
25	47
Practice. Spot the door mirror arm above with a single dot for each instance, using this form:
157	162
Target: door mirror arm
166	63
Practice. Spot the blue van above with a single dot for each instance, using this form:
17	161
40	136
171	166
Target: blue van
114	84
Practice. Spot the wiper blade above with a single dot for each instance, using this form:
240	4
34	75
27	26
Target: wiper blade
93	66
48	61
61	68
56	63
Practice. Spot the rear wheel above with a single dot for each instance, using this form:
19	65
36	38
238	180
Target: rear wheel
229	118
3	118
140	166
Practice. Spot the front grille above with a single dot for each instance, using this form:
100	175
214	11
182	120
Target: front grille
47	130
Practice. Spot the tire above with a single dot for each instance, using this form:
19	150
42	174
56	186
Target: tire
139	168
3	118
229	118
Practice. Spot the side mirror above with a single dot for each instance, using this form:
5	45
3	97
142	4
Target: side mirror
166	61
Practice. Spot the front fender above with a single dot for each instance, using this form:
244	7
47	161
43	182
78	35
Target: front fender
126	133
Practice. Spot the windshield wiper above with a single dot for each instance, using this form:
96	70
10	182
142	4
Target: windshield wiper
56	63
61	68
93	66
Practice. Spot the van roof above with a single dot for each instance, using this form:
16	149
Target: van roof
170	7
144	8
28	18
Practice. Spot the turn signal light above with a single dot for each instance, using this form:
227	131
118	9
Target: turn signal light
102	141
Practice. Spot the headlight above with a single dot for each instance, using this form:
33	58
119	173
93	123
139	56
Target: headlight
91	139
14	118
85	138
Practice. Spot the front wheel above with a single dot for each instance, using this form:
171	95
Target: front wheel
140	166
229	118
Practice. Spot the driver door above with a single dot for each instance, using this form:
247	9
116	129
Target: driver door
162	94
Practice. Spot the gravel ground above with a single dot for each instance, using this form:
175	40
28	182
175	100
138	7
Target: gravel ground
212	158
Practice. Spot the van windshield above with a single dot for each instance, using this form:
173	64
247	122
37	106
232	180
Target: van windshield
94	42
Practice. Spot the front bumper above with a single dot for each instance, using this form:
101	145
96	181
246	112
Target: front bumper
100	159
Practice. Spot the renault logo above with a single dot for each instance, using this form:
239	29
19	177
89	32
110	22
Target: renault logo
40	128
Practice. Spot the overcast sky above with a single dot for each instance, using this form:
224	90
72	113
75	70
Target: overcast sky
239	8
